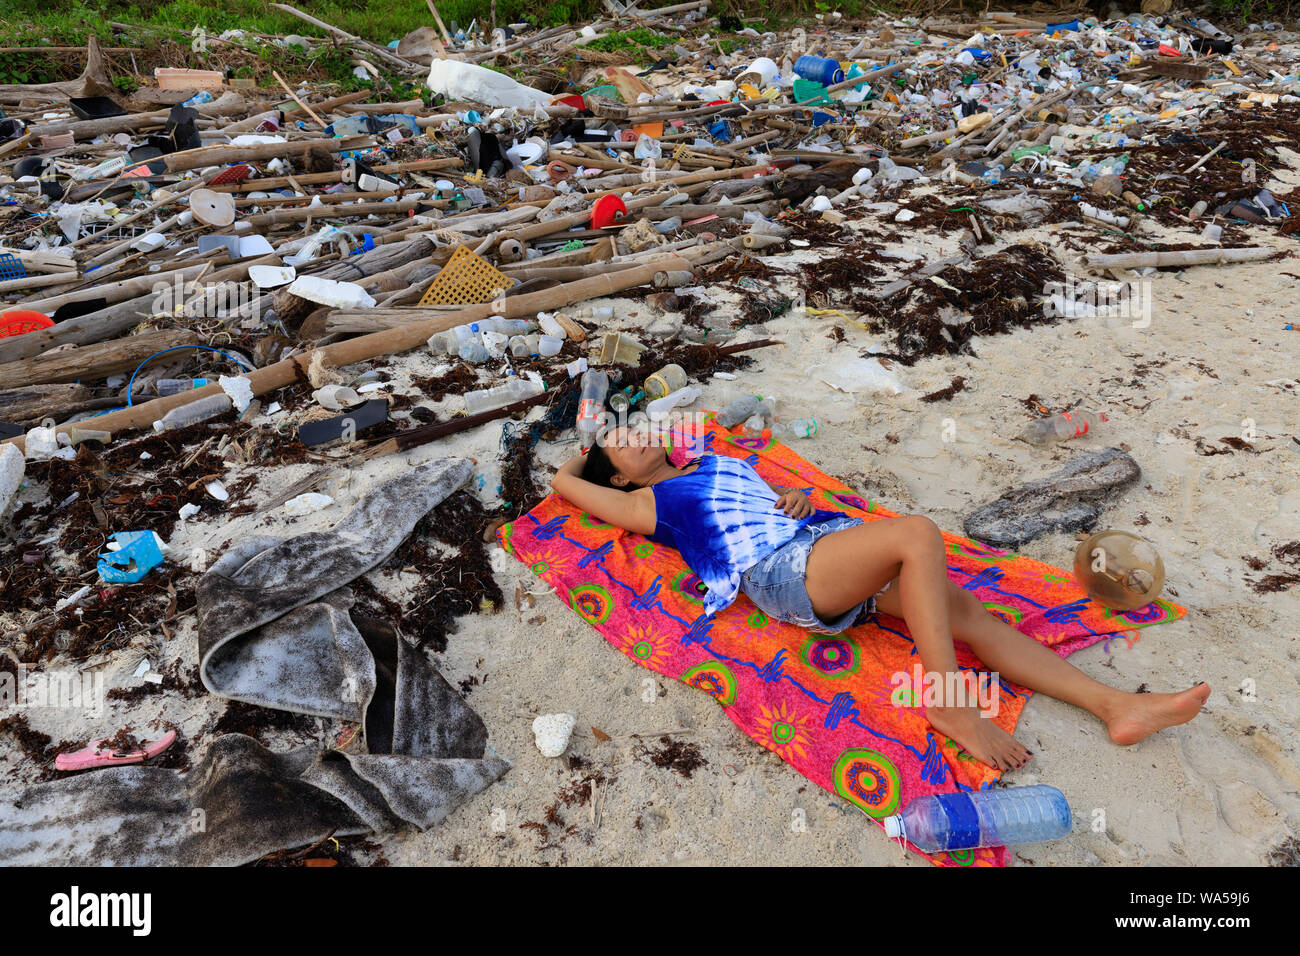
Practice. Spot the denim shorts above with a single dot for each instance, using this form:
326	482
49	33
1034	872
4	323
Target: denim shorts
776	584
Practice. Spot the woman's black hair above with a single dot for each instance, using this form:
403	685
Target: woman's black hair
599	470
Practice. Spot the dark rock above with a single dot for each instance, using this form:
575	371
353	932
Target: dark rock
1069	500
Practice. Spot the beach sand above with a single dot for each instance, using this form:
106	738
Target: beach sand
1224	789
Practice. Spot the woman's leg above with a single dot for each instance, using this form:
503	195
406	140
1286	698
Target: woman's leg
847	567
1019	658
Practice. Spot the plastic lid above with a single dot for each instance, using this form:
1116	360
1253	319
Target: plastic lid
894	826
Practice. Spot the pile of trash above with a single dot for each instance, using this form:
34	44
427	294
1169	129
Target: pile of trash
209	279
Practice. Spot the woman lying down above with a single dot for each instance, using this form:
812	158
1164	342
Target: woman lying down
822	570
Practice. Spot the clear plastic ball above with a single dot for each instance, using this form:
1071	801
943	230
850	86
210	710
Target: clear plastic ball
1119	570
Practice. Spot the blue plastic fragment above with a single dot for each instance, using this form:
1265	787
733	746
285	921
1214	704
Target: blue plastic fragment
139	554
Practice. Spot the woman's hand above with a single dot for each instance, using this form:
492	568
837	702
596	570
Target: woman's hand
795	504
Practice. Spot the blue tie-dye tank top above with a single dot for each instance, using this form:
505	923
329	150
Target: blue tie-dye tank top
722	518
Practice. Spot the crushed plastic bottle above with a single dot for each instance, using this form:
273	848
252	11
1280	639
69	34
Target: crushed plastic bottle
739	410
516	389
800	428
1062	427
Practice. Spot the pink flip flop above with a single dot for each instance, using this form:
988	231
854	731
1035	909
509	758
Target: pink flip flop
94	755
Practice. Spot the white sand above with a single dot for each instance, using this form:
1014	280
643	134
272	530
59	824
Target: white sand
1223	789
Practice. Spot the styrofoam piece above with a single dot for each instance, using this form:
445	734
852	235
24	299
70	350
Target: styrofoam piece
12	469
551	733
239	389
339	295
307	503
271	277
41	443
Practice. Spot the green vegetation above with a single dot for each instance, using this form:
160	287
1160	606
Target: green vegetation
1236	12
629	40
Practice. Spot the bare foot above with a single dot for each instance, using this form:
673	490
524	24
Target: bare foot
1142	715
979	736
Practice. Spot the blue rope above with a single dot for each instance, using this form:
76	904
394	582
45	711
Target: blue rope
177	348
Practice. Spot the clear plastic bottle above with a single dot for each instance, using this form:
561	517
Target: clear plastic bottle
475	353
665	404
591	405
201	410
962	821
800	428
523	346
171	386
1063	427
515	389
739	410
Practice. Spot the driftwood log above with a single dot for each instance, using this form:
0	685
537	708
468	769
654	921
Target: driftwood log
91	361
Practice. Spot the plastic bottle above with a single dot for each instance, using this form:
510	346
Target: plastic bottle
739	410
760	418
1103	215
591	405
800	428
473	352
171	386
662	406
962	821
819	69
665	381
201	410
1063	427
109	167
515	389
548	345
546	322
522	346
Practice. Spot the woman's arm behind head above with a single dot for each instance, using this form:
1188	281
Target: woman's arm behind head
585	484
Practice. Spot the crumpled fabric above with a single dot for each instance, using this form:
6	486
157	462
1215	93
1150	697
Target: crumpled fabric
276	629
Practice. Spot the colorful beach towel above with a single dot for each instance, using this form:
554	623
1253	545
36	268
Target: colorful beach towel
826	704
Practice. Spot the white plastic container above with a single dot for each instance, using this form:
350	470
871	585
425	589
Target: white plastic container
458	80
